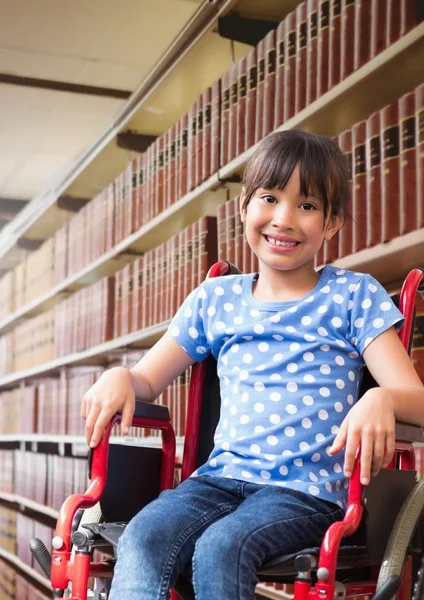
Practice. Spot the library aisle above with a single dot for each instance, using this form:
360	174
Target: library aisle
125	130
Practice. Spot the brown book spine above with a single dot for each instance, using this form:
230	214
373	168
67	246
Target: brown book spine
230	231
407	162
241	106
252	77
411	13
279	74
215	126
225	106
290	67
347	38
238	234
192	145
118	305
269	83
378	27
133	196
260	90
362	33
359	199
335	43
232	113
130	304
207	135
109	312
177	168
222	231
301	57
208	251
393	21
312	51
136	308
147	194
170	178
182	265
160	175
183	170
199	142
419	136
166	168
390	171
373	157
168	279
146	280
175	274
140	179
194	255
346	232
323	46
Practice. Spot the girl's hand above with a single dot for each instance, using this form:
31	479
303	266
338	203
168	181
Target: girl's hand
112	393
371	424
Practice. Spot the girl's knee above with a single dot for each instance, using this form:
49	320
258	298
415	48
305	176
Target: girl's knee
216	548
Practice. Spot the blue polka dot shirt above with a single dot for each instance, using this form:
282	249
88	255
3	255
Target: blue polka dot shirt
289	373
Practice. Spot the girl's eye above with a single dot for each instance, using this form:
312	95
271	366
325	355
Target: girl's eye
307	206
269	199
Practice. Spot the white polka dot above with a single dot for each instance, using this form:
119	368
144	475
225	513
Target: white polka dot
254	312
258	328
220	325
353	354
322	309
378	323
325	289
309	299
270	456
201	350
324	391
211	311
175	332
309	338
235	348
272	440
325	347
306	320
322	331
323	415
225	402
298	462
341	343
323	473
248	337
238	320
336	322
225	446
237	289
188	312
259	429
255	449
328	486
338	298
316	457
294	347
341	280
372	288
340	384
283	470
366	303
292	309
312	489
350	399
219	291
319	438
340	360
263	347
275	396
236	461
325	369
290	329
338	407
309	378
275	377
291	386
233	432
246	474
287	453
202	294
350	304
193	332
358	322
335	429
367	342
308	400
278	337
210	336
243	375
244	397
259	386
213	462
275	318
233	410
313	477
337	468
247	358
292	367
291	409
304	446
277	357
259	407
228	307
265	475
274	419
260	367
385	306
230	331
351	375
244	419
308	357
289	431
306	423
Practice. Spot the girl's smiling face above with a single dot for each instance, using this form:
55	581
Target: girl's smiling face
284	228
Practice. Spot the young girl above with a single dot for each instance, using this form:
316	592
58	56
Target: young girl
290	344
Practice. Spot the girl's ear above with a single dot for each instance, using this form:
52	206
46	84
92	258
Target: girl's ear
241	203
333	226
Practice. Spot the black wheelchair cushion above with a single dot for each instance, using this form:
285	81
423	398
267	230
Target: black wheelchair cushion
149	410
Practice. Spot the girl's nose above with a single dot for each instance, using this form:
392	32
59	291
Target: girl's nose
283	216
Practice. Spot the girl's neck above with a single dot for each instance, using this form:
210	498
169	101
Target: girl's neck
282	286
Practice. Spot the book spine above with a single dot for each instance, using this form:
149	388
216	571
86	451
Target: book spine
215	126
290	66
207	134
393	21
346	232
269	83
373	157
192	145
419	136
407	162
175	274
171	166
195	255
323	47
208	251
160	178
177	168
279	74
312	51
252	76
222	232
378	27
183	170
347	38
362	33
411	13
241	107
359	203
301	57
199	142
232	113
238	234
260	90
225	106
166	168
390	171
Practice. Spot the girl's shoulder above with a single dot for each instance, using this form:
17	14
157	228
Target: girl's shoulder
226	282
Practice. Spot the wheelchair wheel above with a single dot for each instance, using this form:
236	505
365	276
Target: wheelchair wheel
400	539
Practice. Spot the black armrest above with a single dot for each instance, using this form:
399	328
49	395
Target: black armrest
405	432
149	410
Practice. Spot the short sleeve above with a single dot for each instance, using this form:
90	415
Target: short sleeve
371	312
187	327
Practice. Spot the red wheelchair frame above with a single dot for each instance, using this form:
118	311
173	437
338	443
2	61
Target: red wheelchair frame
77	567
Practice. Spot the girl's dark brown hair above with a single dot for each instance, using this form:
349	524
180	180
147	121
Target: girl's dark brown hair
324	169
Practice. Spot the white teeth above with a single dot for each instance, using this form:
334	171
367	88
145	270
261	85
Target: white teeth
278	243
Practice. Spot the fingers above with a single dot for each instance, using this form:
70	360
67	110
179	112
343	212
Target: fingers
93	409
389	449
127	416
102	419
352	442
340	439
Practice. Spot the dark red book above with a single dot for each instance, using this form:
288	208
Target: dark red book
260	90
335	43
378	27
172	166
312	52
390	171
195	255
238	234
347	38
199	142
393	21
183	163
207	134
230	220
192	146
373	157
134	193
222	231
323	46
359	199
346	232
208	254
362	32
279	74
252	76
232	118
215	126
411	13
301	58
269	86
419	136
177	162
407	162
241	106
166	168
225	106
290	67
160	168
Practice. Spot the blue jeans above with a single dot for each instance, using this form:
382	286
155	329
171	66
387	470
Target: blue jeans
225	528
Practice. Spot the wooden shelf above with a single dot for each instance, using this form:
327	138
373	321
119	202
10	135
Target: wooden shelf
273	594
24	568
27	503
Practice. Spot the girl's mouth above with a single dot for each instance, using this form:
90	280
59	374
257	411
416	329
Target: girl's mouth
281	246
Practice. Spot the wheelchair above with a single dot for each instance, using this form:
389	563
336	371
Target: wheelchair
376	551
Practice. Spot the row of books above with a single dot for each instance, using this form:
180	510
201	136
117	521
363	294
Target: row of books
16	587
